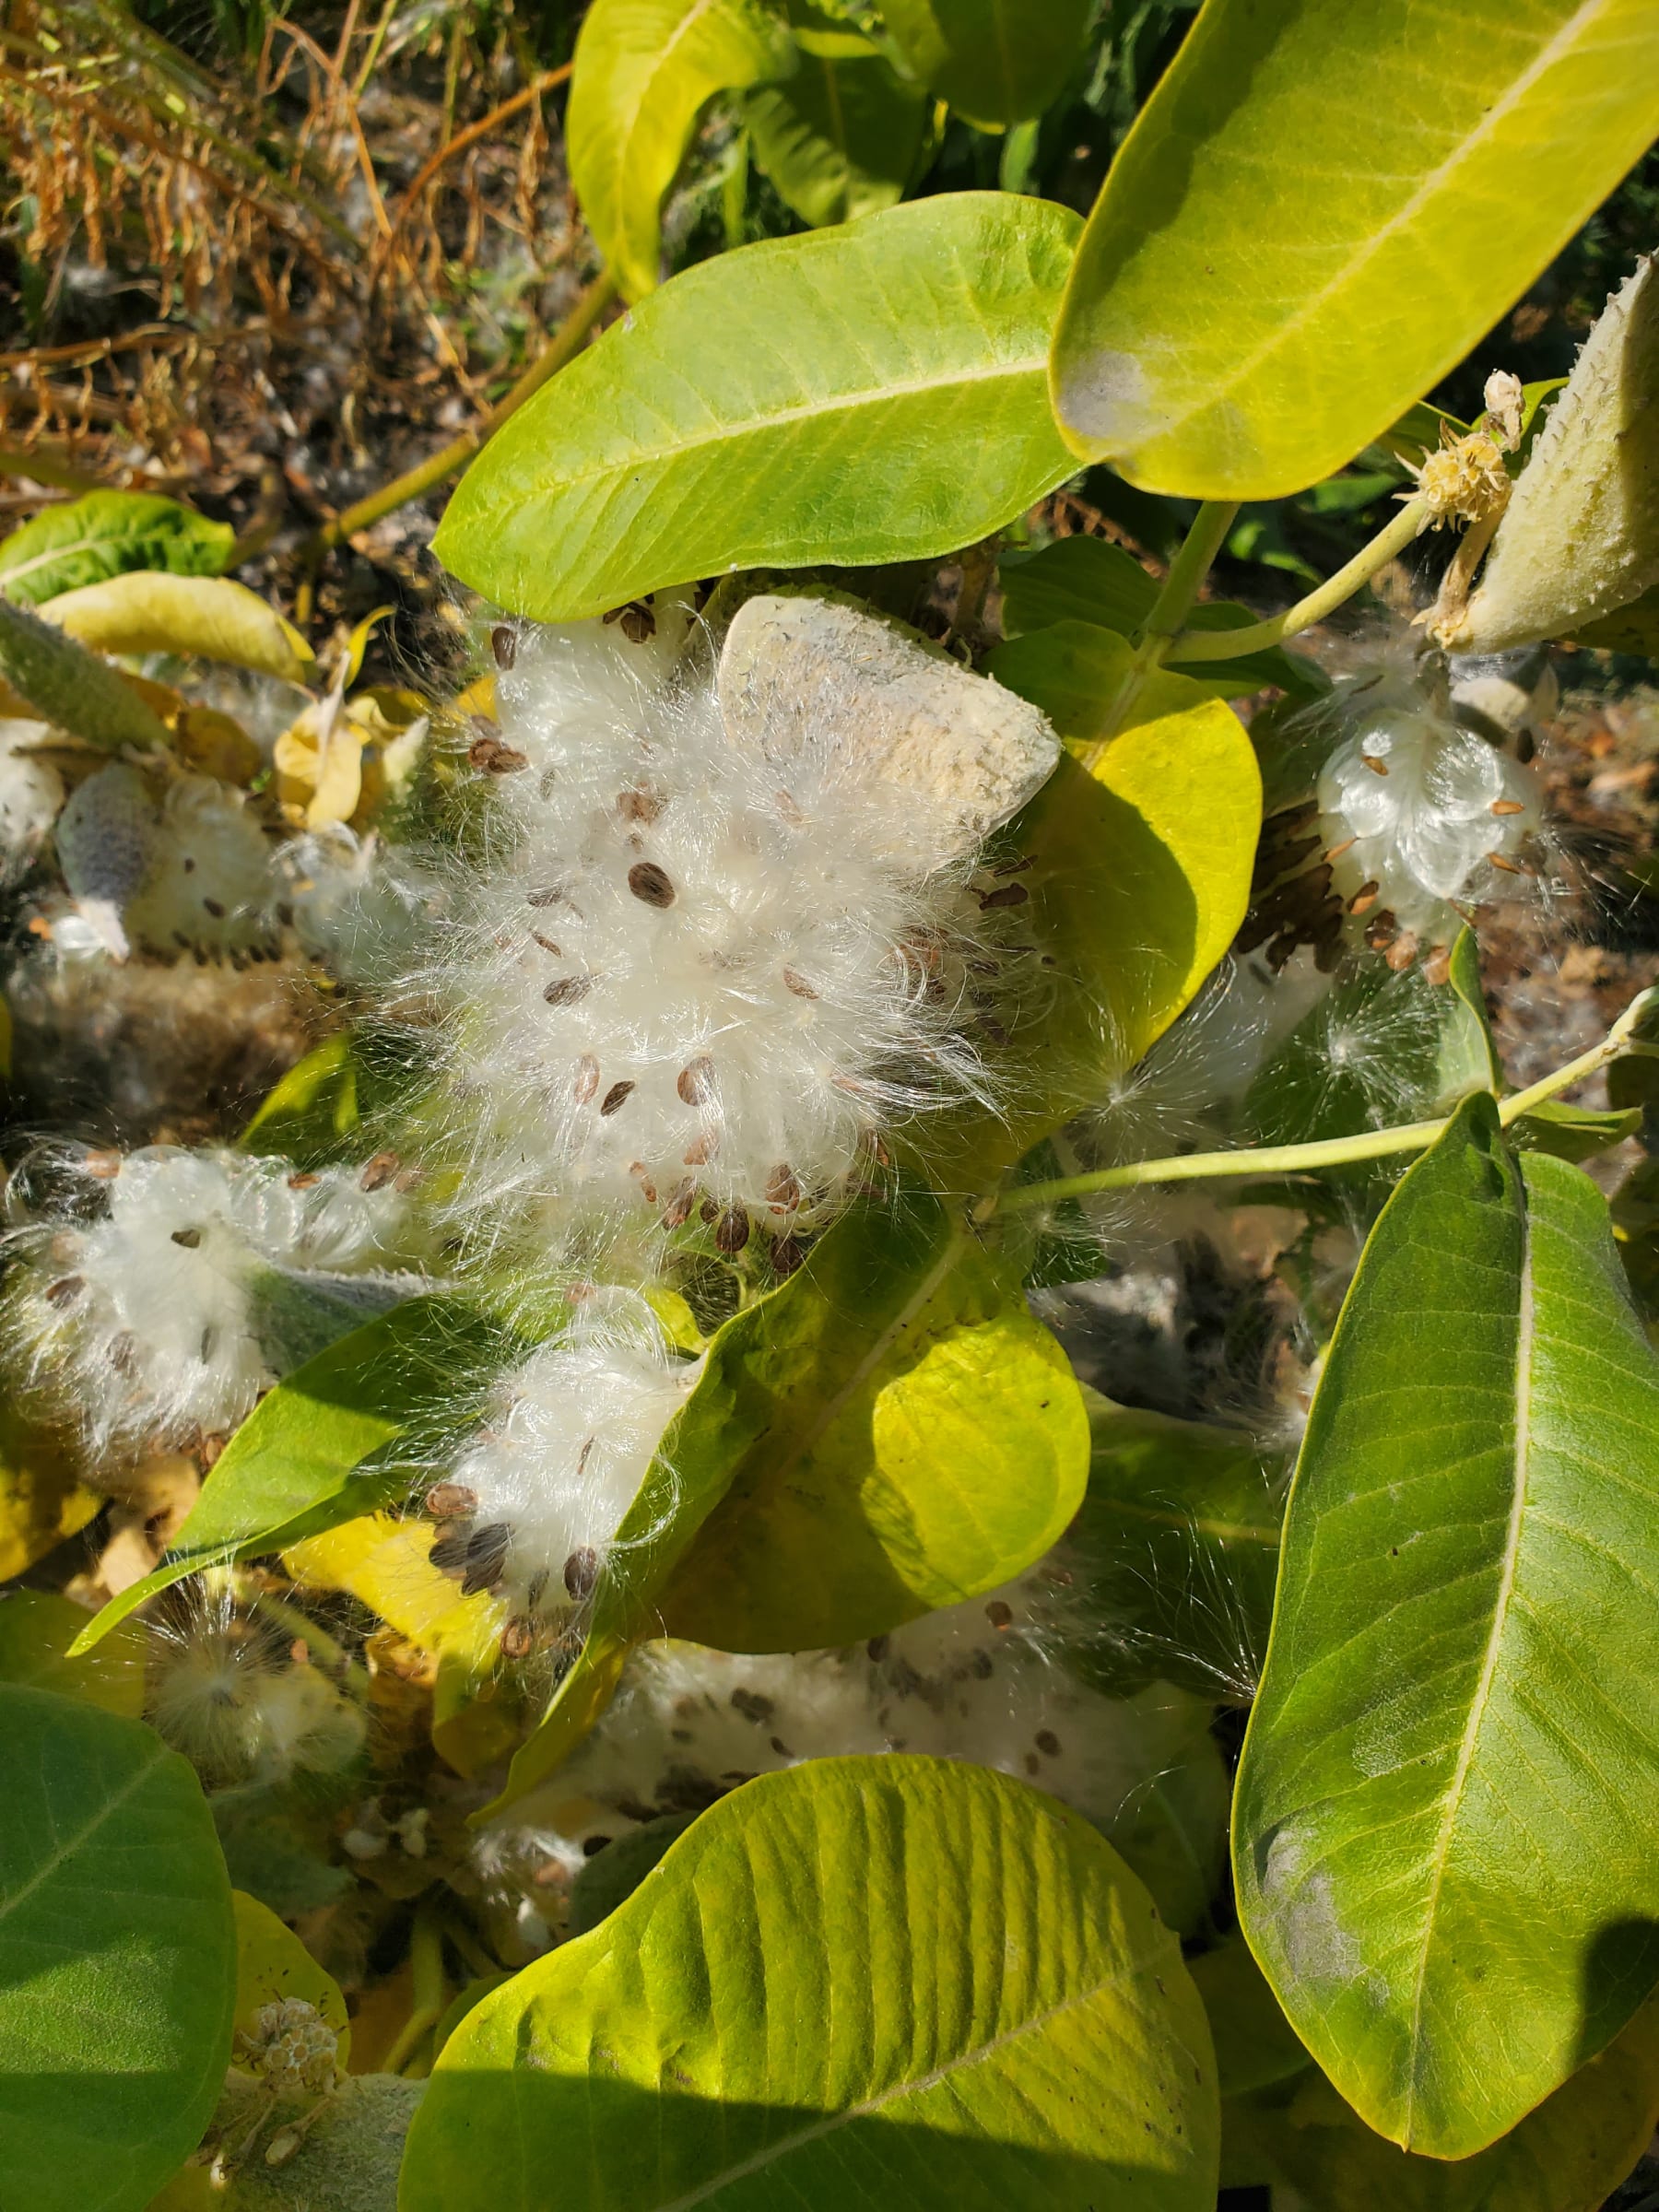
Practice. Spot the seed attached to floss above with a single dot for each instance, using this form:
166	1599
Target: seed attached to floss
486	1557
503	644
696	1081
651	883
587	1080
798	984
581	1572
568	992
449	1502
732	1232
615	1096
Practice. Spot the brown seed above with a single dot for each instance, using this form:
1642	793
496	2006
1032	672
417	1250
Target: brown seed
1016	867
482	751
505	761
1510	868
732	1232
581	1572
641	1175
783	1189
700	1154
781	1747
696	1082
215	909
553	897
1378	767
1438	966
124	1352
518	1638
104	1166
786	1256
637	620
998	1614
449	1502
1337	852
615	1096
189	1238
678	1211
709	1210
788	809
486	1557
587	1080
547	944
753	1706
378	1171
1047	1742
503	643
1402	952
567	993
303	1183
1010	894
448	1553
1290	819
794	981
1508	806
1364	898
593	1845
210	1451
639	805
649	883
875	1651
65	1290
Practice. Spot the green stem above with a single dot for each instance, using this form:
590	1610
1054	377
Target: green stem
1227	644
1188	570
1254	1162
561	348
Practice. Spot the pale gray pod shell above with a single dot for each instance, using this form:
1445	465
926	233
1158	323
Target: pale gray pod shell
1580	538
107	837
968	752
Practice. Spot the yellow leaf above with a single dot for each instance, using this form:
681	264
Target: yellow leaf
384	1563
42	1498
272	1963
148	611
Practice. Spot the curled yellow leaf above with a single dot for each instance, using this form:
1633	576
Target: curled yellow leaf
150	611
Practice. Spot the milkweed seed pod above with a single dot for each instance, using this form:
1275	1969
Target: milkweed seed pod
1414	818
74	688
191	874
31	794
1580	538
154	1298
715	954
531	1509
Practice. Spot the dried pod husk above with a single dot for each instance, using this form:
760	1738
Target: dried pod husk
1580	538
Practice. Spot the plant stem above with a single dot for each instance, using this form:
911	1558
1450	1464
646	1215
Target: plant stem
561	348
1333	1152
1227	644
1188	570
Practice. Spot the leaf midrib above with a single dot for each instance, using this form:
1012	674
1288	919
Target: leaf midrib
78	1841
839	403
1034	2024
1284	332
1525	1336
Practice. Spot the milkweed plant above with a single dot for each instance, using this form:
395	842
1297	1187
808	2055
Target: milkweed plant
725	1577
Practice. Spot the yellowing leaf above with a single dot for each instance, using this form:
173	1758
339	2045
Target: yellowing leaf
42	1500
272	1963
385	1563
149	611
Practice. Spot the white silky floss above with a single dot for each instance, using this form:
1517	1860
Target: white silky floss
361	907
540	1494
149	1323
31	793
1430	812
716	954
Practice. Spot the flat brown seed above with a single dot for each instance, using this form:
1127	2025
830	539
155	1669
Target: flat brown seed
449	1502
786	1256
678	1211
581	1572
506	760
1508	806
1378	767
482	751
1048	1743
999	1614
215	909
553	897
503	643
1364	898
65	1290
1337	852
190	1239
732	1232
547	944
783	1189
700	1154
695	1081
518	1638
1510	868
709	1210
1010	894
303	1183
567	993
649	883
794	981
615	1096
641	1175
448	1553
378	1171
486	1557
639	805
587	1080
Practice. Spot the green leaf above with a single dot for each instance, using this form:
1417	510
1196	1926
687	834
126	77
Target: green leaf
996	62
1402	195
1452	1747
1171	1829
907	415
838	140
1177	1545
889	1980
117	1957
643	71
1566	2157
321	1447
607	1880
1574	1132
1468	1058
1077	673
37	1628
1256	2045
108	534
887	1432
1140	878
1078	579
315	1114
